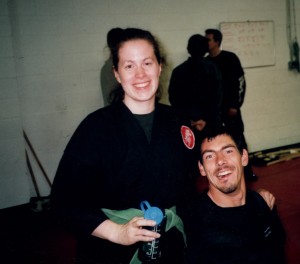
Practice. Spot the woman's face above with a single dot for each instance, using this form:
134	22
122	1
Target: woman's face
138	72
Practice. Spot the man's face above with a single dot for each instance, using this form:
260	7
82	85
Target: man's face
222	164
211	43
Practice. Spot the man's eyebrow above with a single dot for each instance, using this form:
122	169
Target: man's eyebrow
213	151
230	146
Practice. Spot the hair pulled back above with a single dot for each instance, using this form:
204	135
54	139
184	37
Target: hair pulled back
117	36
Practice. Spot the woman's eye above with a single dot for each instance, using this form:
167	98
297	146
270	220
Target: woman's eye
128	67
148	63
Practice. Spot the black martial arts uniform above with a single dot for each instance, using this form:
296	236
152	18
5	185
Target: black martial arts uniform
109	163
234	90
195	90
233	85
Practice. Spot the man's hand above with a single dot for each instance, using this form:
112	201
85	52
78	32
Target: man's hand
232	112
199	124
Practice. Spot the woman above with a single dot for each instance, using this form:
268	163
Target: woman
133	150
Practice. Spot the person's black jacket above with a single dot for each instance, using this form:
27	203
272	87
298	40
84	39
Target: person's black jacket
195	90
109	163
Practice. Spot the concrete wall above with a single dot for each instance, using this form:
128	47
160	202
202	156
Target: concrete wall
52	52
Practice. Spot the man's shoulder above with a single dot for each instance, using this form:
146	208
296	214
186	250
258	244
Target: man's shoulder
201	202
232	58
227	53
256	199
181	66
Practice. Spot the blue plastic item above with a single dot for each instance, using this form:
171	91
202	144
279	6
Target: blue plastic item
152	212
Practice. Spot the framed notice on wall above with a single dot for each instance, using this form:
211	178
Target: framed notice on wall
251	41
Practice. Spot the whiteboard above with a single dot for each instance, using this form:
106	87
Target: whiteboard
251	41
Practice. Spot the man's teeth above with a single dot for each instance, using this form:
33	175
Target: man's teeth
223	173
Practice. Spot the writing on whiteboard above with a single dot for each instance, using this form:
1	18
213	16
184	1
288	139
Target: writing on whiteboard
251	41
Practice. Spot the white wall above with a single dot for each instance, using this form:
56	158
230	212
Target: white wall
14	184
52	52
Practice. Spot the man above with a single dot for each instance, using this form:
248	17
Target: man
229	223
234	87
195	89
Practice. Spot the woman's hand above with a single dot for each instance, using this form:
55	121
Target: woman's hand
268	197
126	234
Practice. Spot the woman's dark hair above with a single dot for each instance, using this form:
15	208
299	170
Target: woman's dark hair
112	36
212	132
116	37
216	33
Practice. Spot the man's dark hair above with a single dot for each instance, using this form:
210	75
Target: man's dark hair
216	33
197	45
212	132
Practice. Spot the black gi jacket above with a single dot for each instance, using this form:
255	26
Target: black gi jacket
195	90
247	234
109	163
234	83
234	88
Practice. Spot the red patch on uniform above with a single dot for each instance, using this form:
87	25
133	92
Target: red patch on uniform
188	137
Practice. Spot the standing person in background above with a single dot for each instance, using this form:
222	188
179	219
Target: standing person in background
133	150
230	223
234	87
195	89
107	78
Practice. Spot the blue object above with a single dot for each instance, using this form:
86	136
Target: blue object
152	212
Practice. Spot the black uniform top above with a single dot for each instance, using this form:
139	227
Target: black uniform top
195	90
109	163
234	84
251	233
